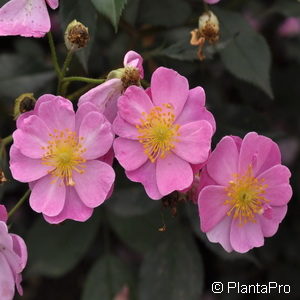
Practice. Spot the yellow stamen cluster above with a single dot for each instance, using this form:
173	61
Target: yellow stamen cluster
246	197
64	153
157	131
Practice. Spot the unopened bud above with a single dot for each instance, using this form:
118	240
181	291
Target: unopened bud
24	103
76	36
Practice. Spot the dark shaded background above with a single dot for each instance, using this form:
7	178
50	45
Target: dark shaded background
121	245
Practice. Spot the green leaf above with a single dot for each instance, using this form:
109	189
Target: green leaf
106	278
173	270
112	9
164	13
84	12
248	55
56	249
16	72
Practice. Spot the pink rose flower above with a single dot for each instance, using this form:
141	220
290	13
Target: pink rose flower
290	27
13	258
245	194
58	152
211	1
163	133
26	17
106	95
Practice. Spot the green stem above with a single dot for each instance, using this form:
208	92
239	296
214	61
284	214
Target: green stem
84	79
20	203
206	7
53	55
80	92
6	140
64	70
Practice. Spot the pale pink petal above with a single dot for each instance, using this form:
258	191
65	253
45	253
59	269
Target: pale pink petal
104	97
58	114
26	169
53	3
133	103
7	282
129	153
194	142
52	99
146	175
96	134
108	157
74	209
194	109
245	237
258	151
278	195
24	17
167	86
94	184
275	176
5	238
133	59
211	206
173	173
32	138
82	111
269	225
223	161
124	129
3	213
22	117
221	233
48	196
20	249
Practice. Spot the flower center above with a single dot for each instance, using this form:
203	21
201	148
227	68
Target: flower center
246	196
130	77
157	131
64	153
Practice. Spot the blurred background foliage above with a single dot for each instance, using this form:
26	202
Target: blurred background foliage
251	79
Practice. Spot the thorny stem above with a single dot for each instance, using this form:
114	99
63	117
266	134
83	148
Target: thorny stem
19	203
53	54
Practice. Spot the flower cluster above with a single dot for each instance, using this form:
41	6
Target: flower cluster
164	135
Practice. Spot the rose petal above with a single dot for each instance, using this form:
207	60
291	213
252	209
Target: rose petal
194	142
133	104
124	129
133	59
7	282
48	196
173	173
96	134
168	87
211	206
223	161
25	18
221	233
53	3
32	137
245	237
275	176
26	169
146	175
129	153
94	184
74	209
82	111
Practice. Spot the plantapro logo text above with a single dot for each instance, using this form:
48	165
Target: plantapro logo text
270	287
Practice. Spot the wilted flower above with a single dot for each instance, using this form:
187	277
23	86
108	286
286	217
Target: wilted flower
13	258
26	17
208	31
245	194
163	131
58	152
76	36
106	95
